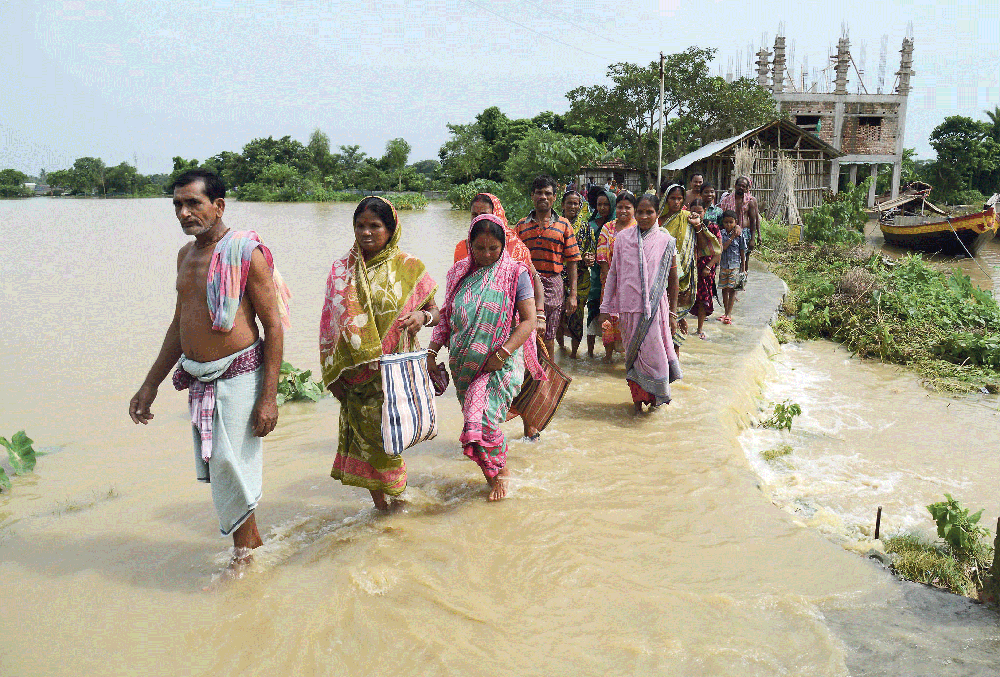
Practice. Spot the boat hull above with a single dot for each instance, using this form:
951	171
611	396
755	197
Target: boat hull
963	236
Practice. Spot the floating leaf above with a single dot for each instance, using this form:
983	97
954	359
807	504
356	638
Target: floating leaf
22	456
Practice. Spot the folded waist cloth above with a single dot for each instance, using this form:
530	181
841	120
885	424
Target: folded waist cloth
199	378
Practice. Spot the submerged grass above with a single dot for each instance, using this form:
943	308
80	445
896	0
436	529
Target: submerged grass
918	560
777	452
904	312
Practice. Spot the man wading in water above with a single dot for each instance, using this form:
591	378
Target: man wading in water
225	281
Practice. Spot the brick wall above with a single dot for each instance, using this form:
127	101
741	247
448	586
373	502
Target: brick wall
869	128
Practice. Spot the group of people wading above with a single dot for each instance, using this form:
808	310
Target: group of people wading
612	264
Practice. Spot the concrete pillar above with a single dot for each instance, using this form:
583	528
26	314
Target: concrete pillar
871	188
763	67
778	76
854	175
834	176
897	170
843	65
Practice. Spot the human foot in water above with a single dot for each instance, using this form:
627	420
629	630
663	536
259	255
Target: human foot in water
378	498
498	486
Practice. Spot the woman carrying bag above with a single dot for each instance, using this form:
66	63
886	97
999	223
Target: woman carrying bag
377	299
488	324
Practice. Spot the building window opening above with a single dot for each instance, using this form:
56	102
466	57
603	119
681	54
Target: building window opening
869	121
810	123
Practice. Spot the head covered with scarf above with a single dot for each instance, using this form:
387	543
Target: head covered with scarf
364	301
513	245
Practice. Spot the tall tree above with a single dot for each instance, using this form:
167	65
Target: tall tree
543	151
397	152
88	175
967	156
630	105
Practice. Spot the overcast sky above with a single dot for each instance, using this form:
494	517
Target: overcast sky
151	80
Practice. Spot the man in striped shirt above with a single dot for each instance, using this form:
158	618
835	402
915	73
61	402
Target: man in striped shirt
550	239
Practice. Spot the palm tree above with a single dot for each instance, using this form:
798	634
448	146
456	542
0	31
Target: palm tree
994	116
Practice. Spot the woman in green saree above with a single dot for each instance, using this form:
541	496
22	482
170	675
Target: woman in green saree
377	299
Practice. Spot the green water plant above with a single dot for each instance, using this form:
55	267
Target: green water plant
296	384
956	527
781	418
958	562
780	451
21	455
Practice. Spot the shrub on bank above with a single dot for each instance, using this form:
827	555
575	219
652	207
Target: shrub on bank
257	192
515	200
904	311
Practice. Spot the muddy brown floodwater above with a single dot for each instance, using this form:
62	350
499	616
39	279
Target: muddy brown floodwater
644	546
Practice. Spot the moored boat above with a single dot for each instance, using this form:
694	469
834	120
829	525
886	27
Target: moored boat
959	235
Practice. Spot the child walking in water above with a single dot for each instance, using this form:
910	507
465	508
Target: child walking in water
733	262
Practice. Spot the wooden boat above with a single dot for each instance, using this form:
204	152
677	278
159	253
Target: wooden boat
960	235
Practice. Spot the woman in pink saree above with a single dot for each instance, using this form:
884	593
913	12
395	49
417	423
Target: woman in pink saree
641	287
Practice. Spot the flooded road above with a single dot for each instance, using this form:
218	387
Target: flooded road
629	545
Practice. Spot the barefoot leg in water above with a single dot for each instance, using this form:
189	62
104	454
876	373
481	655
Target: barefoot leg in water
378	498
498	486
591	342
245	539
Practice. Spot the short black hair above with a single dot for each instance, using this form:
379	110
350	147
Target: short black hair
651	198
698	174
728	214
697	202
543	181
490	227
707	186
214	187
379	208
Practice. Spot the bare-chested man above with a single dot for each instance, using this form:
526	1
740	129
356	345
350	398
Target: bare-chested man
232	375
694	193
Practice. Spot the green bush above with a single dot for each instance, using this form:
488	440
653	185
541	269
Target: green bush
841	218
516	203
902	311
14	191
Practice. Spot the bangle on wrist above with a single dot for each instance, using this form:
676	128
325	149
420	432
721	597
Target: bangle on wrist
501	348
428	317
432	352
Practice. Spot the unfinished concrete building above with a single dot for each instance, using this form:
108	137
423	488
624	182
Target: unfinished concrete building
867	128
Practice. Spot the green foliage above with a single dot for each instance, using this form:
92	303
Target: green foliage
968	158
904	311
915	559
21	455
781	418
295	384
12	177
20	452
14	191
546	152
777	452
513	198
841	218
957	528
960	563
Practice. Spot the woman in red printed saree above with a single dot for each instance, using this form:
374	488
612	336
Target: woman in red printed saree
488	324
374	294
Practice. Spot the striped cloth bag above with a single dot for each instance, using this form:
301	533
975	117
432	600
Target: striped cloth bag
409	415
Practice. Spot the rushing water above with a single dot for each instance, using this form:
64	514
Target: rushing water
649	545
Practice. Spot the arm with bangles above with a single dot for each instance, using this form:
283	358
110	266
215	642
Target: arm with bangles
428	316
521	332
